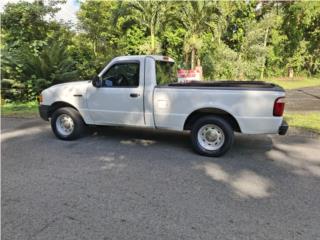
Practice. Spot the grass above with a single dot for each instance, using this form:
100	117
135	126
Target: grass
295	83
28	109
308	121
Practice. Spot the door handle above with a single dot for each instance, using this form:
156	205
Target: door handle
134	94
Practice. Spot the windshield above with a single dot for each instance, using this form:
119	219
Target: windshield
165	72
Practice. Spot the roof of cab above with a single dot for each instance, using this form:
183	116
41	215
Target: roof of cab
139	57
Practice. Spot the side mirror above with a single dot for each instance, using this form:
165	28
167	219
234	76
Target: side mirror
96	81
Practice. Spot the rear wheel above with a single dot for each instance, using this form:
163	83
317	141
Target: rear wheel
212	136
67	123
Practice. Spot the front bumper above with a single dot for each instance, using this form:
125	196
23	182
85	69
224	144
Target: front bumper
44	112
283	128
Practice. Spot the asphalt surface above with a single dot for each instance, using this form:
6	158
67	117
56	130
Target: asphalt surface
121	183
303	99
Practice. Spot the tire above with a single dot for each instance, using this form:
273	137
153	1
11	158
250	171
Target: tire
212	136
74	119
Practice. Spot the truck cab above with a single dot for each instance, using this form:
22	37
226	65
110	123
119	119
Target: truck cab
121	94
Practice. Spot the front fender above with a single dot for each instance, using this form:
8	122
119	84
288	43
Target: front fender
72	94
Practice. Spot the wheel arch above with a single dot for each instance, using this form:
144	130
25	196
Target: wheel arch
60	104
195	115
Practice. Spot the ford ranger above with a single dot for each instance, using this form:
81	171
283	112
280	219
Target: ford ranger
142	91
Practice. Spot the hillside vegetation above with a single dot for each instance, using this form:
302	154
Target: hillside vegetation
229	39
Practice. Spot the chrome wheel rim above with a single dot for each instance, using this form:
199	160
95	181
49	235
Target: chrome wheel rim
64	125
211	137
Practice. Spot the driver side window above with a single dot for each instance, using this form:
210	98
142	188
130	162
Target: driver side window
122	75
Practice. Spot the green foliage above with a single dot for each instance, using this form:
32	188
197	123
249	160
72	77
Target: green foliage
219	61
23	22
86	63
231	40
35	53
241	14
52	66
198	17
302	27
172	43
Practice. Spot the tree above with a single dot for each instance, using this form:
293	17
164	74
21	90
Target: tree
197	17
27	36
232	40
149	15
96	20
172	39
52	66
301	26
24	23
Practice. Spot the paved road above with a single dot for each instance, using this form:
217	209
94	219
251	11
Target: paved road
304	99
140	184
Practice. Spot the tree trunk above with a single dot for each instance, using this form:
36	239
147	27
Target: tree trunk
240	73
95	47
198	62
192	57
219	37
152	39
290	72
264	58
186	60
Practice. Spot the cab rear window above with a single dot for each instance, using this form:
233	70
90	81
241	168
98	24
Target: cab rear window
165	72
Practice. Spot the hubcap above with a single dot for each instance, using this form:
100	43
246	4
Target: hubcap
65	125
211	137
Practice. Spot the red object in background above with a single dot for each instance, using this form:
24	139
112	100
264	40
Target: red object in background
189	75
278	107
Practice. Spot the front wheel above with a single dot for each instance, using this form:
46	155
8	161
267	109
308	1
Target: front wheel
67	123
212	136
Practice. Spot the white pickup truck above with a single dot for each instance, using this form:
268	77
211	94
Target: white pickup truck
142	91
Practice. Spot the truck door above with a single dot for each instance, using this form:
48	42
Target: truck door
119	100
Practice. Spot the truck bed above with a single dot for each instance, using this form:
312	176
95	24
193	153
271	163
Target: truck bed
230	85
